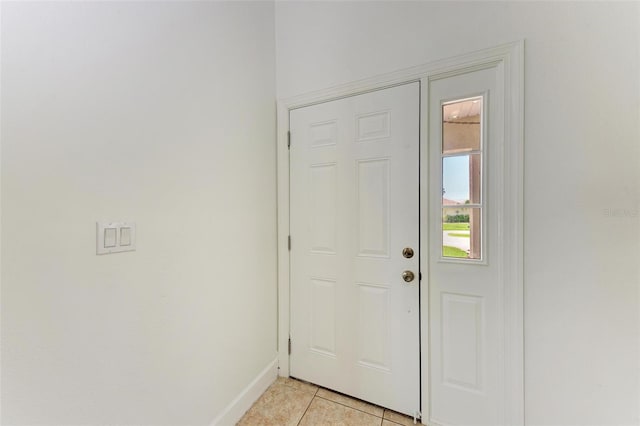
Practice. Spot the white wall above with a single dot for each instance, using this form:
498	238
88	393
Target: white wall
582	182
160	113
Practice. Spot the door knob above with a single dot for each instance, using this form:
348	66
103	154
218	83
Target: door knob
408	276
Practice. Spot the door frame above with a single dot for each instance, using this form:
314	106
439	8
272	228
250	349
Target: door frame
509	61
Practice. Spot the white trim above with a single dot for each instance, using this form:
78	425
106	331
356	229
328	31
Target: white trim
514	234
510	57
424	254
236	409
282	155
1	339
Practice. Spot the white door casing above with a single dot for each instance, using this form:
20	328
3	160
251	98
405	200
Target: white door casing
354	208
508	61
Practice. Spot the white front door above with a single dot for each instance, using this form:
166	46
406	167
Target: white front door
354	209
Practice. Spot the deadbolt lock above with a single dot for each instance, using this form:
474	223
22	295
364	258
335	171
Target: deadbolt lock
407	252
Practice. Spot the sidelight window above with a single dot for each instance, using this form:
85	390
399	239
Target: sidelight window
462	197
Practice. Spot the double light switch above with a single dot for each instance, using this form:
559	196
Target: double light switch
115	237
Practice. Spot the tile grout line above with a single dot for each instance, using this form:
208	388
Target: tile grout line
307	409
353	408
299	389
389	420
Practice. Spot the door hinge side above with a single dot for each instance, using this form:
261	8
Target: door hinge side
289	242
289	348
289	139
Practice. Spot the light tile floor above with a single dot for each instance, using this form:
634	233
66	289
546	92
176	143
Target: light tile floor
292	402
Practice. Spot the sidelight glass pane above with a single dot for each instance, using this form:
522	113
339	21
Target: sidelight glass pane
461	232
461	179
462	199
461	126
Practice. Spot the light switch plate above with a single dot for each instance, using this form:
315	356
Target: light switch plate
115	237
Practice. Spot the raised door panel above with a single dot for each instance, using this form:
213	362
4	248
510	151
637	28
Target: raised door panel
373	208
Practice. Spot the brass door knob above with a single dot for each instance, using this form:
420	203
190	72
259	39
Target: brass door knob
408	276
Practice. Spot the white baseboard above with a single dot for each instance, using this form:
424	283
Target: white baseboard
236	409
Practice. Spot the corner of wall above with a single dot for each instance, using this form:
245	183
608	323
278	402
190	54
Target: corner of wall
233	412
